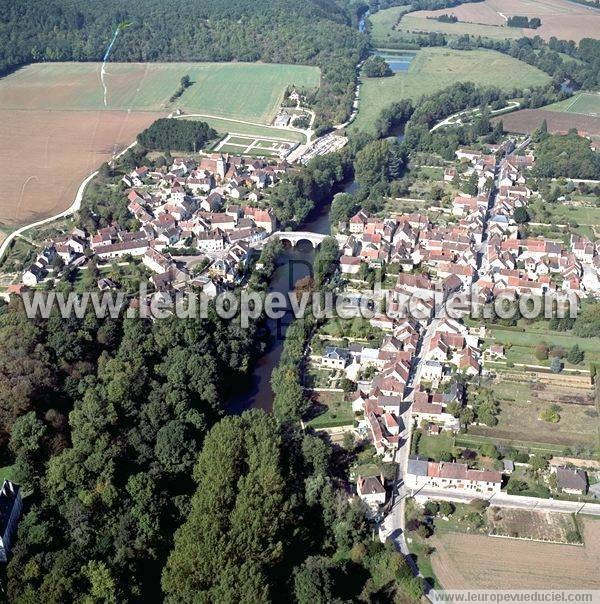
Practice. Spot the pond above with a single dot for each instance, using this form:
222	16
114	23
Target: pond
398	60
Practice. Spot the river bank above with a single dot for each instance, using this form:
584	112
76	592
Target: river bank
295	263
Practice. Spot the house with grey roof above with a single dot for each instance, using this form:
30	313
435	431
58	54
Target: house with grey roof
335	358
571	480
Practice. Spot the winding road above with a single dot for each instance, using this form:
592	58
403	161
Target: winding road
74	207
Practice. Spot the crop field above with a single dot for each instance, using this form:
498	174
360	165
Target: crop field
435	68
247	91
54	120
560	18
483	562
416	23
585	103
44	156
526	121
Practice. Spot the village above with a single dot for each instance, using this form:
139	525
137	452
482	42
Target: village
197	221
418	379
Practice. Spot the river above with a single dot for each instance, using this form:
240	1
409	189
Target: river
295	263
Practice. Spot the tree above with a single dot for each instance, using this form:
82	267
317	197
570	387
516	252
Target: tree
342	208
379	162
446	508
176	448
541	133
432	508
489	450
242	517
556	365
376	67
470	187
575	355
521	215
186	135
313	582
290	402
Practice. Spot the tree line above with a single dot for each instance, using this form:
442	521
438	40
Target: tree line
523	22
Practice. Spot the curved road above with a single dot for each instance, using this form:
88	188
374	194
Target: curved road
512	105
74	207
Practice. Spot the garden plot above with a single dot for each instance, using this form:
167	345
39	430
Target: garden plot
242	144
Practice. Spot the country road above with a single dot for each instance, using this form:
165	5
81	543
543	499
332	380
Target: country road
505	500
74	207
306	133
450	120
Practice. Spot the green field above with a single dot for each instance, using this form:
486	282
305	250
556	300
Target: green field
335	411
586	215
230	125
383	23
584	103
422	24
433	446
537	333
435	68
246	91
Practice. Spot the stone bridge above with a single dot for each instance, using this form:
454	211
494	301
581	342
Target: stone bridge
293	238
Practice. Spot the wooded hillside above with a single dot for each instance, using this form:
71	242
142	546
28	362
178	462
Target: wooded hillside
315	32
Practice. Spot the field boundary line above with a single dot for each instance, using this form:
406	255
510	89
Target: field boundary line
537	540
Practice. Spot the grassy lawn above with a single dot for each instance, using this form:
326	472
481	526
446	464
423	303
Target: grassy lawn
536	488
520	419
6	473
247	91
586	103
475	440
335	411
318	378
435	68
586	215
537	333
434	446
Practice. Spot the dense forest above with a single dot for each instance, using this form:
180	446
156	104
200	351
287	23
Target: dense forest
105	420
570	156
184	135
317	32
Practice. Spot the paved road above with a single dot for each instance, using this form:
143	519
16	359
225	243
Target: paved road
504	500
